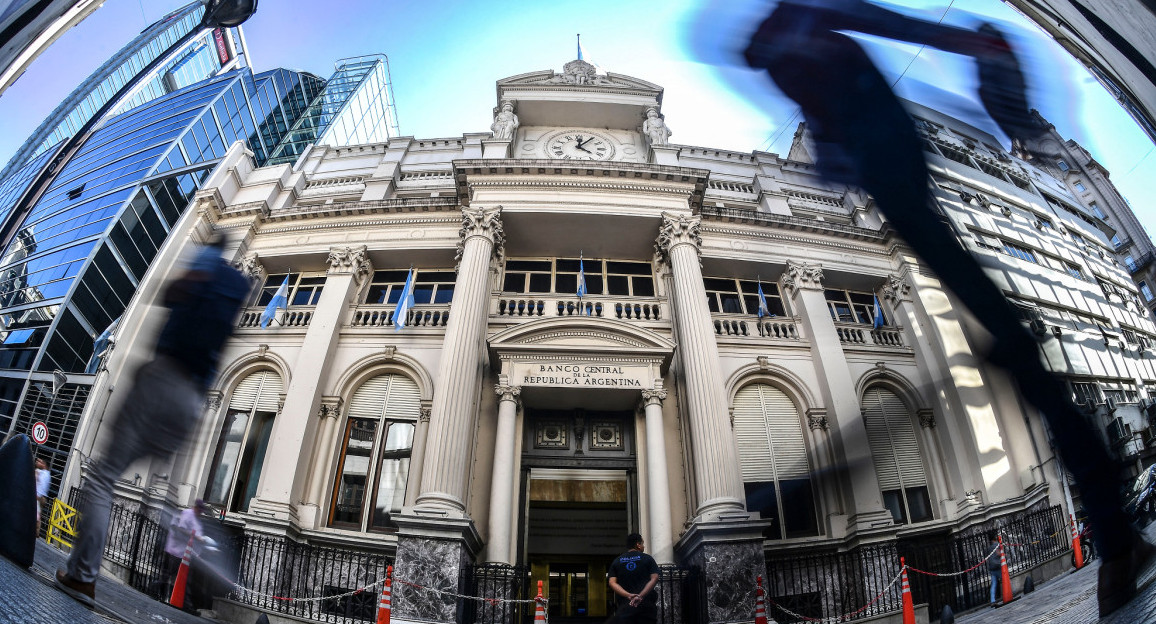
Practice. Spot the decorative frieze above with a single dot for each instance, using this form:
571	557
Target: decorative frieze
484	222
802	276
678	230
349	260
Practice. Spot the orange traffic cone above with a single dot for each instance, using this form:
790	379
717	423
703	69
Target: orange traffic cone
1078	551
1004	577
760	604
383	605
539	606
908	603
177	599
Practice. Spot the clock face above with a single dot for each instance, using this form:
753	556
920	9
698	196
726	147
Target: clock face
579	145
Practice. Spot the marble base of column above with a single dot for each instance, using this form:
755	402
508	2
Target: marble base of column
728	557
431	553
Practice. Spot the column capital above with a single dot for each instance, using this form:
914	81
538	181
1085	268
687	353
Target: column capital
213	400
507	393
926	418
250	266
424	413
349	260
817	419
481	222
653	397
896	290
678	230
802	276
330	407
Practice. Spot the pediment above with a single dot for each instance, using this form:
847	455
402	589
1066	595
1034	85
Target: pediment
578	75
572	335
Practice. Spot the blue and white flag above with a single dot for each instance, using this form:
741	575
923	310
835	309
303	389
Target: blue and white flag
582	286
280	300
763	310
878	321
404	303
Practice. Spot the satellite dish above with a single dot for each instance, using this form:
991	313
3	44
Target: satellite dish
227	13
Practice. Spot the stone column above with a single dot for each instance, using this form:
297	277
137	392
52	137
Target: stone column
436	539
417	455
828	483
502	481
294	429
445	472
718	481
803	283
660	541
320	469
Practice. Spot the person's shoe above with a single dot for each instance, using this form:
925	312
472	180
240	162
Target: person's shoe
1117	583
82	592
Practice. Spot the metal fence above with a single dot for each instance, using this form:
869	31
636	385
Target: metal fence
681	595
274	568
500	581
136	542
858	581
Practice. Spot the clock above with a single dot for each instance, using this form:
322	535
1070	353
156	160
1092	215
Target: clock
579	145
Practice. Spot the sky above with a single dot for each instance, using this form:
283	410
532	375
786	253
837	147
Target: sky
446	55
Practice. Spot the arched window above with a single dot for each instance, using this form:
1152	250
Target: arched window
244	438
895	452
773	454
374	464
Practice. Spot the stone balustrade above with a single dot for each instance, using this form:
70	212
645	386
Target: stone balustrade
744	326
861	334
422	315
520	307
295	316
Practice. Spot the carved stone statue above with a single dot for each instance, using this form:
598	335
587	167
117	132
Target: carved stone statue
655	129
505	122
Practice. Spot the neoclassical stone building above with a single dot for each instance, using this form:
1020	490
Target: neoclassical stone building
759	366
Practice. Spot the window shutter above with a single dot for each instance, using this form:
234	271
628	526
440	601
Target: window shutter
393	396
891	436
769	435
258	390
751	434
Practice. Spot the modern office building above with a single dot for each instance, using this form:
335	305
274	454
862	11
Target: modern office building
27	28
81	248
760	376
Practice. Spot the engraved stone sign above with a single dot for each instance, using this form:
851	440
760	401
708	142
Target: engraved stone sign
581	375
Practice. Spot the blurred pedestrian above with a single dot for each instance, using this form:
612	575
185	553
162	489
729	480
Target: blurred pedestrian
993	566
863	136
183	526
43	482
163	405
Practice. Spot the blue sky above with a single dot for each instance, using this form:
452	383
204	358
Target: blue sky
445	56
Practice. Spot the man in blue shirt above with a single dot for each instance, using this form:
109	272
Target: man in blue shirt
633	576
164	403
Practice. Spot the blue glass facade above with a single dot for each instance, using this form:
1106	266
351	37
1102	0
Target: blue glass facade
355	107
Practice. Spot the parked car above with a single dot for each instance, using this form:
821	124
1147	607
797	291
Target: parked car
1140	497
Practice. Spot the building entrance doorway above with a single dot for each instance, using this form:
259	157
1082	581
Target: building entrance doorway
576	522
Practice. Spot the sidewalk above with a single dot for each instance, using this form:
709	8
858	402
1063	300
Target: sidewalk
1068	599
29	597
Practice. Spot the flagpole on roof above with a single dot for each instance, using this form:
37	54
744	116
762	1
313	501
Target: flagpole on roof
579	46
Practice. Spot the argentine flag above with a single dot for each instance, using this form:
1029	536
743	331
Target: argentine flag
878	321
763	310
581	283
280	300
404	303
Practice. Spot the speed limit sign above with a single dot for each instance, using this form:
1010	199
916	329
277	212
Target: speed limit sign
39	432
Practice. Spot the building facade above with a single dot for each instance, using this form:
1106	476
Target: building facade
82	246
757	368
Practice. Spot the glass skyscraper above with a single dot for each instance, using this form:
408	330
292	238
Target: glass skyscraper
78	248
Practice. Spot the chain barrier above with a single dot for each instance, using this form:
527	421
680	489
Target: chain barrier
960	573
845	616
1039	541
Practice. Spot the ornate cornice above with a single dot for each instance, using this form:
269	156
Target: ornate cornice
817	419
330	407
678	230
896	290
349	260
802	276
508	393
653	397
481	222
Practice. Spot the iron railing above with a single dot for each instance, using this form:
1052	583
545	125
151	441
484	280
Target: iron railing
273	568
681	596
496	581
858	581
136	542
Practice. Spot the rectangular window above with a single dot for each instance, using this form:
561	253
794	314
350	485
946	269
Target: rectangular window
1080	187
429	286
1146	291
1084	392
560	276
1023	253
303	290
851	307
1062	165
1073	270
1130	262
1096	210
